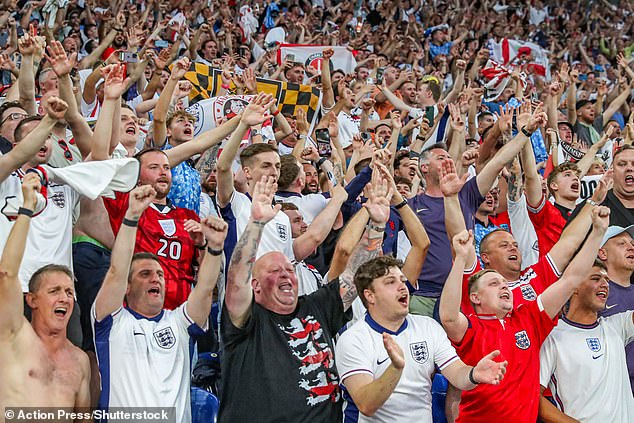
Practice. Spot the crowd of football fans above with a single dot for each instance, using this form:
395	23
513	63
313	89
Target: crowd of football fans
443	232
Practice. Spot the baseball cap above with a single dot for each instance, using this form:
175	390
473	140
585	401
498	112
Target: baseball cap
568	124
582	103
616	230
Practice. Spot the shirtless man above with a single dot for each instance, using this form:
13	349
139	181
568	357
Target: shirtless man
39	366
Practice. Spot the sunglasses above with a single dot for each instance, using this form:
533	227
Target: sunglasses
428	78
67	153
13	116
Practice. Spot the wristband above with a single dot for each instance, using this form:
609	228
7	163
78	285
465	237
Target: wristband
525	131
275	113
376	228
471	378
213	252
320	162
401	204
225	86
131	223
202	247
25	212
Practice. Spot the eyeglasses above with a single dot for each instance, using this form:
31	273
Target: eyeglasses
13	116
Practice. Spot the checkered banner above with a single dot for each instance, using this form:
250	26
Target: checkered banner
207	81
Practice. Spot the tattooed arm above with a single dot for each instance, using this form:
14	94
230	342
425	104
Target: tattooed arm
239	295
378	207
515	181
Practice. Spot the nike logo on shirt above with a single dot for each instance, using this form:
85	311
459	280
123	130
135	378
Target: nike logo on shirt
379	362
607	307
421	210
594	358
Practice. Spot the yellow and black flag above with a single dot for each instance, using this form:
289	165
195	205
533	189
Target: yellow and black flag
206	83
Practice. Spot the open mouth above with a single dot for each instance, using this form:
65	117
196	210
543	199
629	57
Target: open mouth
130	130
603	294
154	291
513	257
188	131
286	288
412	172
505	295
575	186
404	300
629	179
60	311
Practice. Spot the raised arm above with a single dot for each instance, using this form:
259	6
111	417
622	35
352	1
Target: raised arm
452	319
114	86
532	182
239	293
556	295
31	144
12	310
396	102
201	297
586	161
254	114
348	240
88	61
618	101
62	65
492	169
326	81
112	292
378	207
162	107
26	80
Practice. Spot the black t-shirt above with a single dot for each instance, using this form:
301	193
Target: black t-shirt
281	368
5	145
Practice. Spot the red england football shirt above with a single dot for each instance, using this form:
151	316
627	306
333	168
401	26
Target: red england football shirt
549	221
519	337
161	232
532	282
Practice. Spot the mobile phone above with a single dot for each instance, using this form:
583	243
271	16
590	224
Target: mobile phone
290	58
225	51
369	81
429	114
379	75
161	44
128	57
323	142
318	79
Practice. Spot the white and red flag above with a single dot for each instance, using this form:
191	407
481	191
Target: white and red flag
311	55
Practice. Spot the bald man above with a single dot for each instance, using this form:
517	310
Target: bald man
40	367
279	350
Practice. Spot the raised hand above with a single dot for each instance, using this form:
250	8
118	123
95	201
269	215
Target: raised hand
367	104
310	154
6	63
55	107
162	60
379	196
333	125
301	121
450	182
257	111
250	83
115	82
327	53
182	89
605	184
489	371
457	122
397	123
463	243
140	198
180	68
61	64
600	218
215	232
394	351
262	210
538	118
30	187
26	45
505	117
469	157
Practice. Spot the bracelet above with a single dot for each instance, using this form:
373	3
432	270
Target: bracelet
213	252
275	113
525	131
25	212
259	223
131	223
471	378
202	247
592	202
376	228
401	204
225	86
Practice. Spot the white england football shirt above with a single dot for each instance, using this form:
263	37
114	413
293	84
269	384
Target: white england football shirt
360	350
584	366
145	362
49	240
309	205
277	235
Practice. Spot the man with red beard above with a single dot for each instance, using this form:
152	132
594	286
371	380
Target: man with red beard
166	231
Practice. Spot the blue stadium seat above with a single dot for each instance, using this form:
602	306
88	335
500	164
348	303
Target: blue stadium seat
205	406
